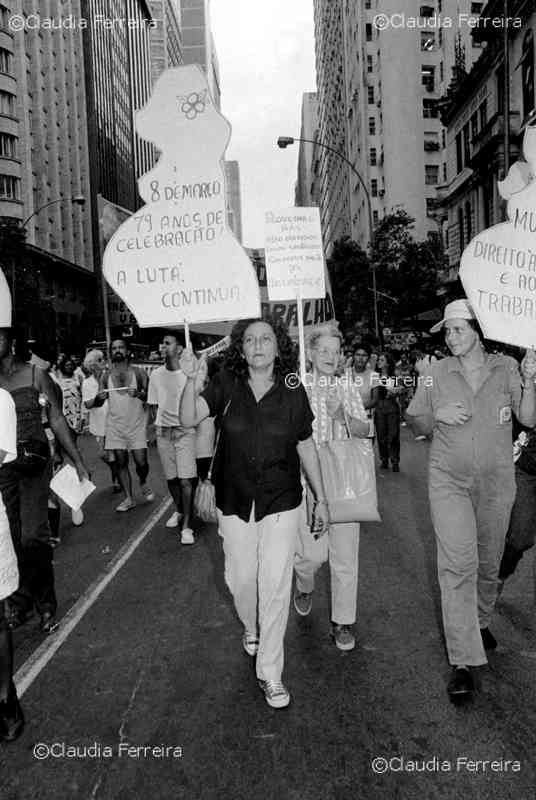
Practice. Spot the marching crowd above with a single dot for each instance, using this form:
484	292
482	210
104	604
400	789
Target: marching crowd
238	425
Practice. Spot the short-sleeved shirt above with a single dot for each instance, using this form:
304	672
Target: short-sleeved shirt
257	460
325	428
97	414
165	389
483	444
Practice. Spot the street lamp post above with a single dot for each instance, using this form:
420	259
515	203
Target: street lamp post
78	199
285	141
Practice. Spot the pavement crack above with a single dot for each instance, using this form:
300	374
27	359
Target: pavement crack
125	716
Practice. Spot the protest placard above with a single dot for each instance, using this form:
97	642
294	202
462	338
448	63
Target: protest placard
176	260
498	267
294	254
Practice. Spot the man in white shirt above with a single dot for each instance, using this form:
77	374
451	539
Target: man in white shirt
176	445
98	410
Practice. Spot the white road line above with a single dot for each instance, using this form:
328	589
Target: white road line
28	672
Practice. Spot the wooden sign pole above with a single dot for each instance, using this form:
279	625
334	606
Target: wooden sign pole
301	334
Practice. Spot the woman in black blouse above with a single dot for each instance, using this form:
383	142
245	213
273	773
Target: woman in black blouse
265	421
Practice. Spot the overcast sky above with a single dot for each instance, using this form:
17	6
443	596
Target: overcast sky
266	55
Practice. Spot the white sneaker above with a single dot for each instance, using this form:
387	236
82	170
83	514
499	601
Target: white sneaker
276	693
126	505
173	521
187	536
77	516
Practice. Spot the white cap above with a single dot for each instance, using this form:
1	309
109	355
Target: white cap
5	302
458	309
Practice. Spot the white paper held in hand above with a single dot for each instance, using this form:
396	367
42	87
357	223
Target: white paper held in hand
68	487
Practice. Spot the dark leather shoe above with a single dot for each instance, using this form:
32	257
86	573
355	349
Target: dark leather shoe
11	717
49	623
16	617
488	639
461	684
396	468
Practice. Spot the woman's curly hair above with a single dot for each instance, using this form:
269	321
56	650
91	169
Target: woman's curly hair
286	361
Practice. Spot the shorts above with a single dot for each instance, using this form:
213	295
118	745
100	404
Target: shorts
176	449
126	440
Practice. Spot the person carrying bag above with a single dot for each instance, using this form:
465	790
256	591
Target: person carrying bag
341	431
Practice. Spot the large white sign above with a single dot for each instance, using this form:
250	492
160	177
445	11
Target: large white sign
498	267
294	254
176	261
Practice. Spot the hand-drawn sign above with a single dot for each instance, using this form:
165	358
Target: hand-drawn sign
176	260
294	254
498	266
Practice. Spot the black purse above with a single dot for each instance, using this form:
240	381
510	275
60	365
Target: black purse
32	457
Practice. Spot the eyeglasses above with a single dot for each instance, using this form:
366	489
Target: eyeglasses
325	353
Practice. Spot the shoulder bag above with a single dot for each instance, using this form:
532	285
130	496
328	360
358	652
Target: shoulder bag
349	477
205	494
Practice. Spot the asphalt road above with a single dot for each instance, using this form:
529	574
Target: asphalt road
155	661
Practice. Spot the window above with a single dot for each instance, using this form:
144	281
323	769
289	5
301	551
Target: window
466	145
374	187
8	145
375	218
443	138
427	77
7	104
429	109
368	32
476	8
431	174
4	17
483	113
459	152
5	60
9	187
474	125
368	4
441	71
427	41
430	205
370	91
468	224
460	229
372	126
426	11
370	64
527	73
372	157
445	172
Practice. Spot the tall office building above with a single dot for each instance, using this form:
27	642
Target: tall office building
378	93
233	197
198	42
307	183
166	37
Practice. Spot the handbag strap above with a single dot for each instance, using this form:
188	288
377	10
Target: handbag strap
216	443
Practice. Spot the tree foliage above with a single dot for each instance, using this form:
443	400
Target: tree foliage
406	271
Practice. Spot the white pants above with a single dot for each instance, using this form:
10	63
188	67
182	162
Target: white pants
340	545
258	571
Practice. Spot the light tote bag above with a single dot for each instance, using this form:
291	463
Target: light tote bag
349	477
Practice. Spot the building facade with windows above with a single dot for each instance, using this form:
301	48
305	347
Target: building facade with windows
198	42
306	192
378	93
476	117
233	197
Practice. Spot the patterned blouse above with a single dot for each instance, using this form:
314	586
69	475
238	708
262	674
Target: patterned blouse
325	428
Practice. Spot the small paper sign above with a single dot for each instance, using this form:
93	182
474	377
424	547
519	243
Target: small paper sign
294	254
498	267
68	487
176	260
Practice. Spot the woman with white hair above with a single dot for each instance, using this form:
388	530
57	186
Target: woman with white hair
337	406
98	409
